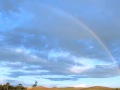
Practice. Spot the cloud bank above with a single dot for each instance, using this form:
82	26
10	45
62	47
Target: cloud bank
39	42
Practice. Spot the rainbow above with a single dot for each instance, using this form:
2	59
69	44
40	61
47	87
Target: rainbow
80	23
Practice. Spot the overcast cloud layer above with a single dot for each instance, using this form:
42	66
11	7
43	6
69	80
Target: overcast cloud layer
44	40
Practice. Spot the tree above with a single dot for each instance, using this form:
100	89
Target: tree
34	85
19	87
4	87
1	87
7	86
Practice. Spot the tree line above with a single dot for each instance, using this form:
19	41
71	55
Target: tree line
8	86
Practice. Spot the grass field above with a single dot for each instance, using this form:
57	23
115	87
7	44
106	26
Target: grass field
70	88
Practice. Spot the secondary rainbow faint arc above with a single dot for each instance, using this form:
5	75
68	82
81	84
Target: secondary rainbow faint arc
86	28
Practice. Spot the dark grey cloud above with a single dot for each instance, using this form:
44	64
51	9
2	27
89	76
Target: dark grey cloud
61	79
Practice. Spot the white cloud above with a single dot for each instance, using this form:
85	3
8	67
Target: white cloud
86	64
78	69
81	85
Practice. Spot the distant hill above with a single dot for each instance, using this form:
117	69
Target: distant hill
98	88
71	88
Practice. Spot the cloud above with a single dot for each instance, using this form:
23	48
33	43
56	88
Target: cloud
35	41
81	85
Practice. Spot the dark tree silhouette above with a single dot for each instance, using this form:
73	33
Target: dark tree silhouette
34	85
19	87
7	86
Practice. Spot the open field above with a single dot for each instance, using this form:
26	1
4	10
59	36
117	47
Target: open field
71	88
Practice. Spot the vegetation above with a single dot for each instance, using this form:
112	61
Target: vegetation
34	85
7	86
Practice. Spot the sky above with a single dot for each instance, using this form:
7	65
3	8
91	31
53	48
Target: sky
60	42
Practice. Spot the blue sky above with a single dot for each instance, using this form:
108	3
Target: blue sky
60	42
